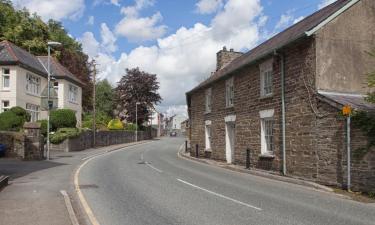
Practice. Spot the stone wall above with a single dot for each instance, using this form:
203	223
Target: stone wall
103	138
20	145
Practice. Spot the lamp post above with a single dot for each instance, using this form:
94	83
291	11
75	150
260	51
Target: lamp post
49	44
136	121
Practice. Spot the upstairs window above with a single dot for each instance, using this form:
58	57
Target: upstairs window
32	84
73	93
229	92
6	78
208	100
266	78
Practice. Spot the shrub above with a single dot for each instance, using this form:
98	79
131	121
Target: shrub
21	112
43	127
62	118
130	126
115	124
9	121
64	133
102	121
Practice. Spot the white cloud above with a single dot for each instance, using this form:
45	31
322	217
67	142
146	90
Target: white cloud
208	6
324	3
89	44
108	39
57	9
107	2
91	20
285	20
138	29
183	59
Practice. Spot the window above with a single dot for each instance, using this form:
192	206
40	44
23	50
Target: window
208	100
6	79
34	111
73	93
266	78
229	92
267	129
32	84
56	86
208	135
5	106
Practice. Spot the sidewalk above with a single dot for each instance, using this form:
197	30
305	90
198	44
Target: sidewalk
261	173
33	194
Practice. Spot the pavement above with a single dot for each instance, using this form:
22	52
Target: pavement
38	191
150	184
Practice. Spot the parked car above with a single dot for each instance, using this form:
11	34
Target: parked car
173	134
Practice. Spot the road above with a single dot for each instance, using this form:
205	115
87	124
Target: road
150	184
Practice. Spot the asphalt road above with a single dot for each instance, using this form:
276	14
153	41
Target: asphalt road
150	184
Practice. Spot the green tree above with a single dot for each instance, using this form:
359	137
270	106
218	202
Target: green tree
371	81
137	86
104	97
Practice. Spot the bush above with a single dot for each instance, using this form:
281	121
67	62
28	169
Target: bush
14	119
43	127
115	124
62	118
64	133
102	121
131	127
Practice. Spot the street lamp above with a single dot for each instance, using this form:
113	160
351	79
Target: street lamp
49	44
136	120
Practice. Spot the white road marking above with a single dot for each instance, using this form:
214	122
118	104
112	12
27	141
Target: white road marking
142	157
69	207
220	195
151	166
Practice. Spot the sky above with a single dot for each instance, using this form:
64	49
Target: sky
175	39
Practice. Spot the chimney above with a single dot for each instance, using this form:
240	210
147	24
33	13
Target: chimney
224	57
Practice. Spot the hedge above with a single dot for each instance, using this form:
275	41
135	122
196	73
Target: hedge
62	118
115	124
64	133
13	119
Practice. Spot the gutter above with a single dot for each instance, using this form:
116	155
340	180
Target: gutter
282	71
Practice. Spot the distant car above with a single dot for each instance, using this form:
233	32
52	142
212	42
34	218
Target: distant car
173	134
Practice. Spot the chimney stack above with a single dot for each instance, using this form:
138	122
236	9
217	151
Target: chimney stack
224	57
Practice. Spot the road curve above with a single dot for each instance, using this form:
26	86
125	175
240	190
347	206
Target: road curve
150	184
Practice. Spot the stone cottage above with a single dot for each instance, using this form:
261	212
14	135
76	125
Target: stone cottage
282	99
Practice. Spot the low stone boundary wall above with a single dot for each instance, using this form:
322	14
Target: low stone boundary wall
20	145
103	138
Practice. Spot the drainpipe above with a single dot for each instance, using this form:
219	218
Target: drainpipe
282	70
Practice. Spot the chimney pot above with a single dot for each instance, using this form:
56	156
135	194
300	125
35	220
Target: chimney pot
224	57
231	50
224	48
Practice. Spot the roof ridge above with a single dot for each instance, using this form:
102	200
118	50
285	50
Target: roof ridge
10	49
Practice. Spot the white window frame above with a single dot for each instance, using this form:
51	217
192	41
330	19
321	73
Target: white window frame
266	78
229	92
73	93
208	105
5	75
267	136
33	84
5	108
208	135
34	111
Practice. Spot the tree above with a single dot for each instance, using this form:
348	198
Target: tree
137	86
371	81
104	97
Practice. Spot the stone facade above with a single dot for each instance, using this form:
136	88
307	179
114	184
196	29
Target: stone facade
315	134
224	57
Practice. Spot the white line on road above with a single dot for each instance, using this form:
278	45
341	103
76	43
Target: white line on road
220	195
69	207
151	166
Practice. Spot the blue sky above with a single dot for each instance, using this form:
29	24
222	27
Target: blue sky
175	39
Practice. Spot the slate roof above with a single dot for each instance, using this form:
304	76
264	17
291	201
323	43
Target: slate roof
59	71
355	101
283	38
11	54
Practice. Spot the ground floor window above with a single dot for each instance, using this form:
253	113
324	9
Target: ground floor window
5	106
34	111
267	132
208	136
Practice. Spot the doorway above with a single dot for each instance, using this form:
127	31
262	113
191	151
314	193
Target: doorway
230	128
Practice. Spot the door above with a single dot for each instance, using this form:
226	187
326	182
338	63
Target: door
229	141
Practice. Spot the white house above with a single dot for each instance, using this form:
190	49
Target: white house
24	77
176	121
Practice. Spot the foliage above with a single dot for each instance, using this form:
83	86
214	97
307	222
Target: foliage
64	133
131	127
31	33
43	127
137	86
10	121
115	124
21	112
62	118
104	97
102	121
366	122
371	81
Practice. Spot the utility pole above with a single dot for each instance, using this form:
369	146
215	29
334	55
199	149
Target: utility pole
94	103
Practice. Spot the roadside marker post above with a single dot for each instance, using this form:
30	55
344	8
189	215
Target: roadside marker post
248	158
347	112
196	151
186	146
